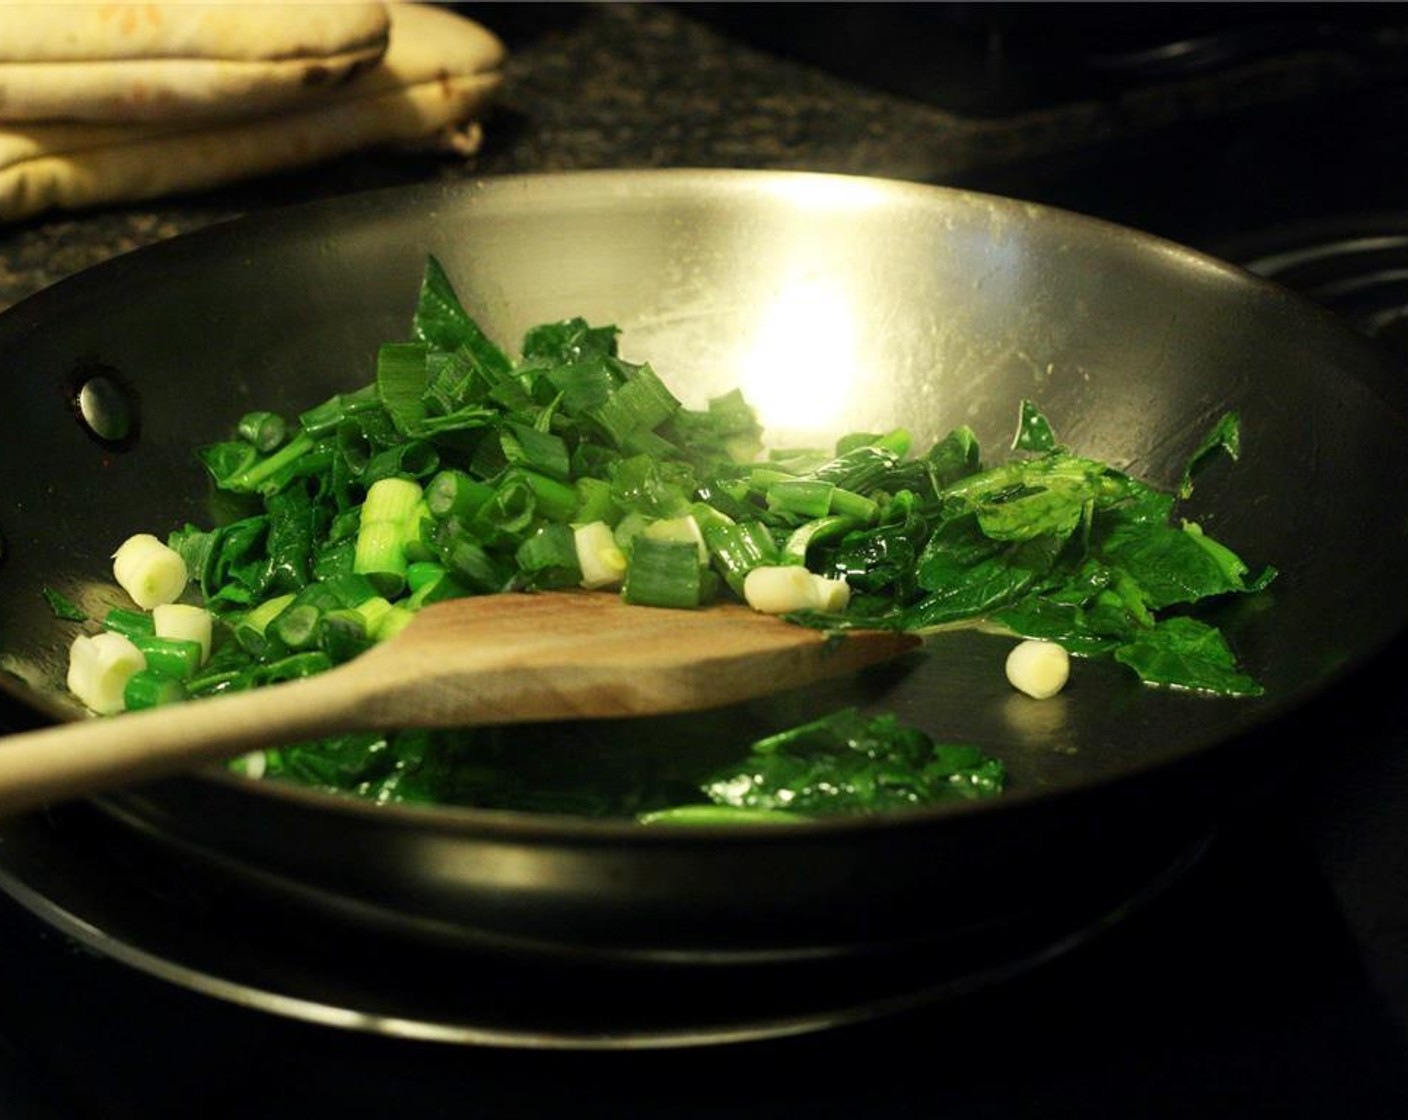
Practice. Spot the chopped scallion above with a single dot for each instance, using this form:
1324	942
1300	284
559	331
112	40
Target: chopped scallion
663	573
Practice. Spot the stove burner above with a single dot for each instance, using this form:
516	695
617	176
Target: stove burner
994	60
110	890
1355	266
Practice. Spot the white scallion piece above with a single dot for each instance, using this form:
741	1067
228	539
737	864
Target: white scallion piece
833	595
781	588
183	622
1040	669
602	562
99	667
148	571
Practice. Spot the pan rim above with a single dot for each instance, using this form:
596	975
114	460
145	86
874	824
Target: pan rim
94	281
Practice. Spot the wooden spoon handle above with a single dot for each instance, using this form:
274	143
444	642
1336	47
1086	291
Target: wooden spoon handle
93	755
490	659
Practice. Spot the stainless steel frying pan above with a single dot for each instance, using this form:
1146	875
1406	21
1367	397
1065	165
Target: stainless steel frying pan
838	304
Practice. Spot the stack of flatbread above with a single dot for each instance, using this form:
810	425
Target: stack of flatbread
112	102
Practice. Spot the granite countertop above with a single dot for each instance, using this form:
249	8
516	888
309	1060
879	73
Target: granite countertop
642	85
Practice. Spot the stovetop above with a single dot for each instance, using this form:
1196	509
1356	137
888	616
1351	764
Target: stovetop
1269	979
1240	991
993	61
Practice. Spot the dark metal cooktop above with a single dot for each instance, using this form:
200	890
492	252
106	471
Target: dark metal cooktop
1270	979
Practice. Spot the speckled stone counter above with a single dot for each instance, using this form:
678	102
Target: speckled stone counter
637	85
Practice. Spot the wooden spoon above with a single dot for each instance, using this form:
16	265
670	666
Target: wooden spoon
492	659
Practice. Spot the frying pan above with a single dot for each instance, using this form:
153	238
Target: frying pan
838	304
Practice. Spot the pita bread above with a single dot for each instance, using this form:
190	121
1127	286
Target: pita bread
252	31
439	73
172	61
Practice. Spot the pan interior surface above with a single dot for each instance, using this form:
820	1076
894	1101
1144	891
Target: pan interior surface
837	304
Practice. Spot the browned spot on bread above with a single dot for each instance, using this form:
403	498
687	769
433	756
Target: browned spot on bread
350	72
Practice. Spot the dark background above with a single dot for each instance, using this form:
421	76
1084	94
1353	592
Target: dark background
1269	980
